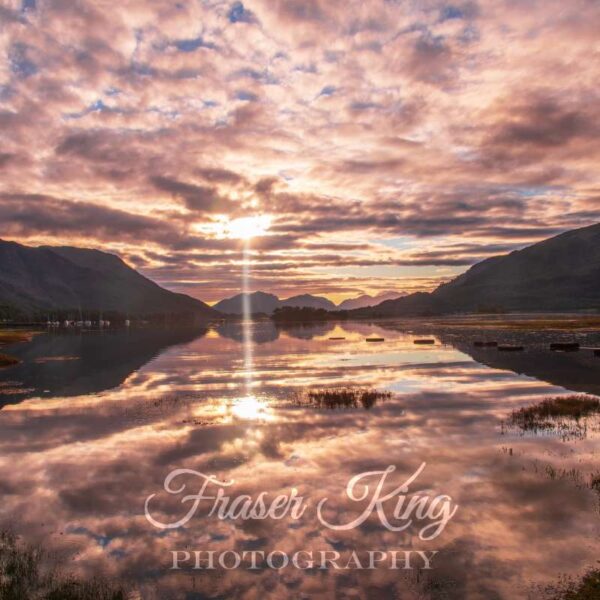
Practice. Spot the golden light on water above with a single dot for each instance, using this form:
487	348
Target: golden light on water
251	408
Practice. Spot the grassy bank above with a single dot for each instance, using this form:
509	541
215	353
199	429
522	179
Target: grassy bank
529	322
9	336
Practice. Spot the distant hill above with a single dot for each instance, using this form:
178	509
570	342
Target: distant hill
43	280
261	302
366	300
308	301
558	274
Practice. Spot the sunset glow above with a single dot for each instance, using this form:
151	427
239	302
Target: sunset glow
392	144
246	228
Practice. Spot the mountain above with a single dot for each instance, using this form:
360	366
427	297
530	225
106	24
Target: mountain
420	304
38	281
309	301
366	300
561	273
558	274
261	302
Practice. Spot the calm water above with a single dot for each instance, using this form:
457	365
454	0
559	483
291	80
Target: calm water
92	423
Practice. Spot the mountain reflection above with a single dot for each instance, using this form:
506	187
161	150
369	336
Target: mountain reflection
71	363
577	371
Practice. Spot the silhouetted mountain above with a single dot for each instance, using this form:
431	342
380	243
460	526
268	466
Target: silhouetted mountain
558	274
420	304
366	300
561	273
38	281
261	302
309	301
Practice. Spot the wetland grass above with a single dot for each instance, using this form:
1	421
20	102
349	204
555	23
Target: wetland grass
344	397
561	414
26	574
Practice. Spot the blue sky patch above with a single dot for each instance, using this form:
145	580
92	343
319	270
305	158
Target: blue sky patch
451	12
239	14
191	45
246	96
328	90
20	64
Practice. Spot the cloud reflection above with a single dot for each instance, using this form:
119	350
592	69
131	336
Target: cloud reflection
86	464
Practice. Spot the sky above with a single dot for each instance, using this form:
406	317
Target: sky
373	145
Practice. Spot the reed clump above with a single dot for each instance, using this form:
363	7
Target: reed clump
343	397
549	412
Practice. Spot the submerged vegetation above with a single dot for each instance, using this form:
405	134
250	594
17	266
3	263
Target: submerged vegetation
25	574
345	397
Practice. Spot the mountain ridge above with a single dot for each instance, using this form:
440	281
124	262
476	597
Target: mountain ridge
264	302
560	273
37	280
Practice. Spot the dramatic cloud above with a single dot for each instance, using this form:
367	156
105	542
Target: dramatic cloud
391	143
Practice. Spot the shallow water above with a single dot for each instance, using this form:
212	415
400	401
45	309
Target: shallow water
93	422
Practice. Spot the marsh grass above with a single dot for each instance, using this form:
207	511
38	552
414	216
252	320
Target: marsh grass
26	574
586	587
344	397
556	413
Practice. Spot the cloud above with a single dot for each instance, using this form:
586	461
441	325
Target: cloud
197	198
454	127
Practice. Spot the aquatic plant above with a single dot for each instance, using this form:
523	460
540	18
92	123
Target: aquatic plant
586	587
343	397
544	414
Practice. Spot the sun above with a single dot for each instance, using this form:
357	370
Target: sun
246	228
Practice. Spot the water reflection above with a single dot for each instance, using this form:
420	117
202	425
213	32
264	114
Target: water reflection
73	363
88	461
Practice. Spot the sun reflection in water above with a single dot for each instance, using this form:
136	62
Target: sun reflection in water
251	408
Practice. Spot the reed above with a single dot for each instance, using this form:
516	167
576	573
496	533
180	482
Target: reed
343	397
